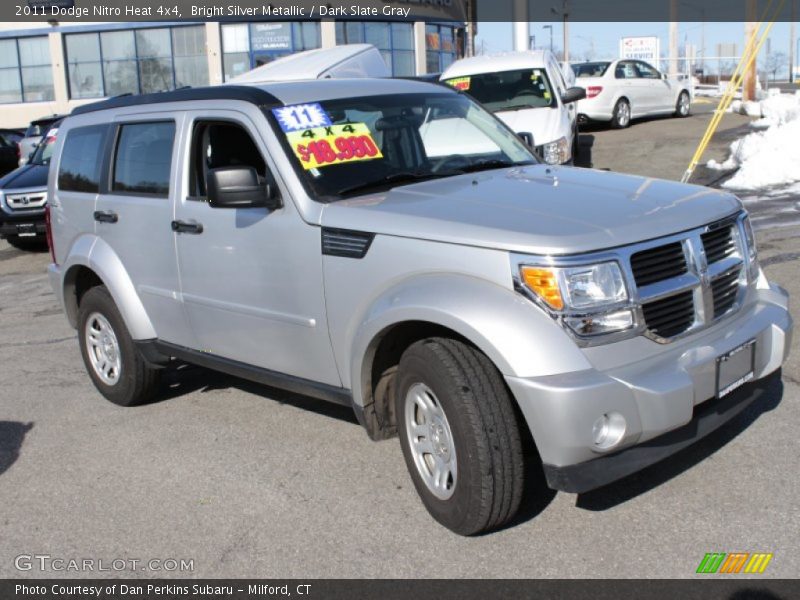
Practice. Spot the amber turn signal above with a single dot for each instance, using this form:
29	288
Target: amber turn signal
544	283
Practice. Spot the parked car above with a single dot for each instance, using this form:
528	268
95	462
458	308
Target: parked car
327	238
9	149
33	135
23	196
528	92
620	90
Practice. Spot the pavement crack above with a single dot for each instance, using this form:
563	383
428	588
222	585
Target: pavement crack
40	343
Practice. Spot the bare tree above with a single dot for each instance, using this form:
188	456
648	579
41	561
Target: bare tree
774	62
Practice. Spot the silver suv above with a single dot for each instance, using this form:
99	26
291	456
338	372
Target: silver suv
391	246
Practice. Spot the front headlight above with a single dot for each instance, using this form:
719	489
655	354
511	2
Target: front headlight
556	153
752	252
591	299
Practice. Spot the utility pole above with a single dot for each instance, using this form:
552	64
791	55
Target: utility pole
791	41
521	25
750	75
673	38
566	33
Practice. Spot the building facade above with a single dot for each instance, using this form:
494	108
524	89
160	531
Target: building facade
49	69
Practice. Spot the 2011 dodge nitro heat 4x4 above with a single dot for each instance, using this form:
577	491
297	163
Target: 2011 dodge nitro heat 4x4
390	245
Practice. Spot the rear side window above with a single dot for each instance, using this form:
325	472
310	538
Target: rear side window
143	160
80	160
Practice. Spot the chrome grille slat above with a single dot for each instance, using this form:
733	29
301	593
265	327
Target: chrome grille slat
670	316
690	280
659	263
718	244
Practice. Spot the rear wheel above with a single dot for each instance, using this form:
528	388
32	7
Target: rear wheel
683	107
459	435
621	117
115	365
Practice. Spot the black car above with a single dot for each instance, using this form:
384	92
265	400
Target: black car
9	149
23	195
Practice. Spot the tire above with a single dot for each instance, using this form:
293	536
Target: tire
621	117
33	244
683	106
479	431
127	380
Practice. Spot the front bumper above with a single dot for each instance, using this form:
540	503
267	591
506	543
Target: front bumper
25	223
667	399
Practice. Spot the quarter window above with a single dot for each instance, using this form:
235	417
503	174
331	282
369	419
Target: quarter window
143	160
80	160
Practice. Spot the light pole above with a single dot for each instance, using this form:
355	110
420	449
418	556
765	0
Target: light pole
550	27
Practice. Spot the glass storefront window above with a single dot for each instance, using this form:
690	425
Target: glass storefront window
440	47
394	40
246	47
110	63
25	73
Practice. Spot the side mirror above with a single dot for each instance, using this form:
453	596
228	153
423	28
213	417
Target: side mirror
239	187
573	94
664	76
527	138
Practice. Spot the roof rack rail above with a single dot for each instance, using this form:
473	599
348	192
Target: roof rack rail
245	93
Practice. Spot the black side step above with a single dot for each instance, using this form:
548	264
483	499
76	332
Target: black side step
151	349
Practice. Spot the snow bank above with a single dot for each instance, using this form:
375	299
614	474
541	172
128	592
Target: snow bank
768	158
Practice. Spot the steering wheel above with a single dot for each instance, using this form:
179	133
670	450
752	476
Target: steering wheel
452	162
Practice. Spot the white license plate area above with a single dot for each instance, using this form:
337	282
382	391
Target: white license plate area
26	230
735	368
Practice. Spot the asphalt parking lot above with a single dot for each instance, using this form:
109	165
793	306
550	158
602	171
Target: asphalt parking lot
251	482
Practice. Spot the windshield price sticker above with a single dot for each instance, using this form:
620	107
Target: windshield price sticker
335	144
460	83
301	116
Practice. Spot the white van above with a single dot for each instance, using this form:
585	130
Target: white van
528	91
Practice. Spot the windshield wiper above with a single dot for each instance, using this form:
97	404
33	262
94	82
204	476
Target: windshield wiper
402	177
486	165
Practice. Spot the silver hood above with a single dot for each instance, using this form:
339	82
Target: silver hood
536	209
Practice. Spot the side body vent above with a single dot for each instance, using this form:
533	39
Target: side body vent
346	243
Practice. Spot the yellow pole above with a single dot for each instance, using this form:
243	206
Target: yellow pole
748	58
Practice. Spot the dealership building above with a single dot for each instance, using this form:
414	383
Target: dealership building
50	68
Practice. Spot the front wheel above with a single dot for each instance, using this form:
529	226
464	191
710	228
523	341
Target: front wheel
621	117
115	365
459	435
683	107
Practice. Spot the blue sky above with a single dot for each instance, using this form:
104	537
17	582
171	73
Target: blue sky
605	36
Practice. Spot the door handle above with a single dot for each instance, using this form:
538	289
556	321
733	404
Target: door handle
106	216
187	227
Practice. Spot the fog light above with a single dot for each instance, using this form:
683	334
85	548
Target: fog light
608	430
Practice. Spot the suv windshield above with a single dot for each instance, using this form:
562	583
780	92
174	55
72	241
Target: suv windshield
508	90
44	151
590	69
357	145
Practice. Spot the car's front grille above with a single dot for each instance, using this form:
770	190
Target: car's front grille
658	264
670	316
718	244
724	290
690	280
25	201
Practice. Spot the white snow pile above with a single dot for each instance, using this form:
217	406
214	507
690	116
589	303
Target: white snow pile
768	158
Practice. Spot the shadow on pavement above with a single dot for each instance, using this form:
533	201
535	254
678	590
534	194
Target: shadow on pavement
638	483
585	146
12	434
182	378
